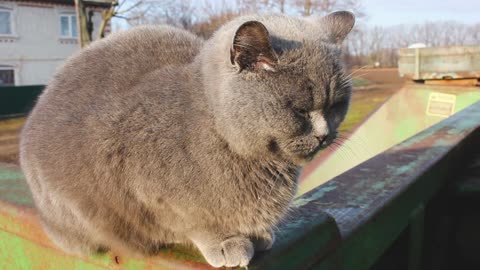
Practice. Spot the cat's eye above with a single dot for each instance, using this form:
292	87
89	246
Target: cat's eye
302	112
339	104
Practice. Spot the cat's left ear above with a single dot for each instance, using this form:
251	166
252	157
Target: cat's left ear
337	25
251	48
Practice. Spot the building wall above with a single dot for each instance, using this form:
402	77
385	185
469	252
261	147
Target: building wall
36	49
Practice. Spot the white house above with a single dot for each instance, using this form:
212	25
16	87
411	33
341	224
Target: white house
36	36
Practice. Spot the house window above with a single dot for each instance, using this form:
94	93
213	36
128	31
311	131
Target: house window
5	22
7	76
68	26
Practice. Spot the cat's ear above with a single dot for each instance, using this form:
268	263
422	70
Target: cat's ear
251	48
337	25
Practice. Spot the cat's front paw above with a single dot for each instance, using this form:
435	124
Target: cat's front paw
234	251
264	241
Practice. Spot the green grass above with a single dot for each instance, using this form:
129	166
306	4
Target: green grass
357	113
363	103
359	82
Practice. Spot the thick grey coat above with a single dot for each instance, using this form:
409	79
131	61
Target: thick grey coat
153	136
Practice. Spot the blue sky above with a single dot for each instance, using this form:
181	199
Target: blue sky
394	12
385	12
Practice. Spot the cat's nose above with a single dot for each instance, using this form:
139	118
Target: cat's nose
322	139
319	126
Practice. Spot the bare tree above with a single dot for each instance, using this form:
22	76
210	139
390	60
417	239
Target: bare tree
250	6
179	13
474	31
280	5
116	9
364	46
119	10
367	45
376	43
322	7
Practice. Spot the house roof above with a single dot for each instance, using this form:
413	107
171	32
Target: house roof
88	3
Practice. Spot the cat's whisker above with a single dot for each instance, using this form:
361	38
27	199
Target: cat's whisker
358	70
344	84
335	149
358	142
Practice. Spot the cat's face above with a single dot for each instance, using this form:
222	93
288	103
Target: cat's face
295	110
287	103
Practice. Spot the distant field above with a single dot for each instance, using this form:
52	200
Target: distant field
379	75
370	90
363	103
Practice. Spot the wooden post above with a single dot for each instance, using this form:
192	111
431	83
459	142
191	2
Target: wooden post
416	75
83	36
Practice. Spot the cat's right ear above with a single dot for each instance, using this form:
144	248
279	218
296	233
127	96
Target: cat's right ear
251	49
337	25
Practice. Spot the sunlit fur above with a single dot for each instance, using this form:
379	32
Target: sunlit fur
152	136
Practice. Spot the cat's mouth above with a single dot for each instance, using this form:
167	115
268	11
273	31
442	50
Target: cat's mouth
302	150
314	153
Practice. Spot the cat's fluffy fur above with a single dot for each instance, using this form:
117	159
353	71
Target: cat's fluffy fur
152	136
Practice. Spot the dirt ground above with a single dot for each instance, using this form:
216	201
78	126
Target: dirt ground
382	83
9	134
382	76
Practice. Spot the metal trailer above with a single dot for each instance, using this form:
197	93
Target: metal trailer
435	64
408	198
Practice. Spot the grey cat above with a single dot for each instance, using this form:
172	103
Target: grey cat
153	136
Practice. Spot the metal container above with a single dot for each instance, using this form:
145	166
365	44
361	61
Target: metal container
440	63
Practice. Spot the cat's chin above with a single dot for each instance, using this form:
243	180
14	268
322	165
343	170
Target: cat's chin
302	160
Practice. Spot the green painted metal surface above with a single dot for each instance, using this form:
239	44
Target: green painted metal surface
18	100
23	245
416	238
469	186
22	254
411	110
309	235
370	215
13	188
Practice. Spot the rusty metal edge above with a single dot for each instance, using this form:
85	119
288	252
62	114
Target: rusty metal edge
308	236
384	222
